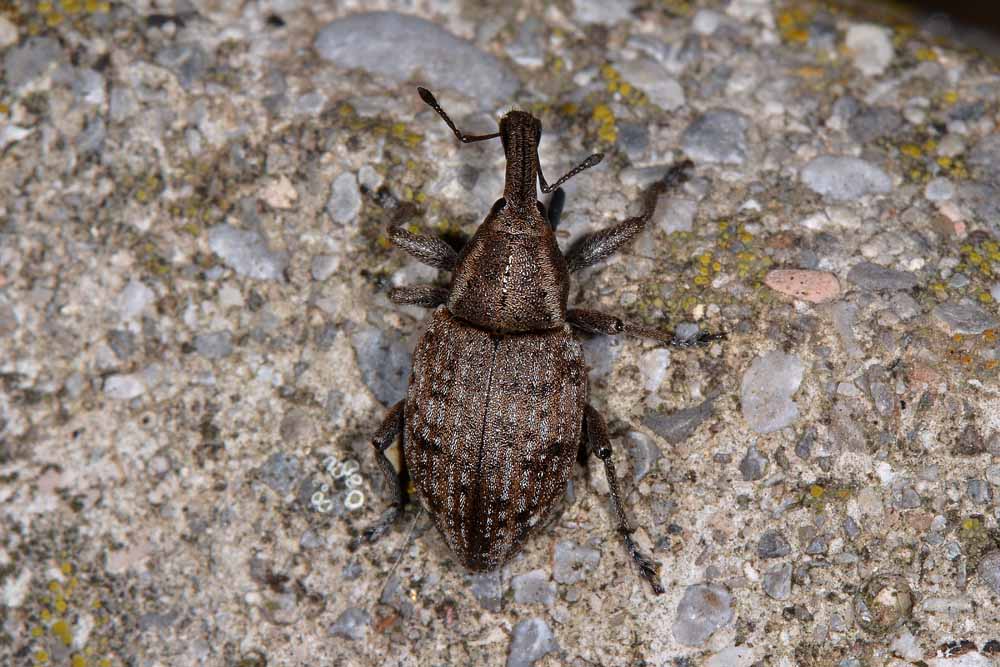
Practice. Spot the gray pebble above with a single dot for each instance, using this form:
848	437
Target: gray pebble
939	189
487	588
851	527
404	47
766	391
958	280
964	318
817	546
571	561
601	353
651	78
345	199
22	64
280	472
600	12
530	640
187	60
843	178
905	306
215	345
122	342
717	136
634	139
773	544
686	331
643	452
874	123
985	156
527	48
534	588
324	266
876	277
703	609
124	387
675	214
777	582
351	624
678	426
753	465
989	571
384	361
246	252
978	491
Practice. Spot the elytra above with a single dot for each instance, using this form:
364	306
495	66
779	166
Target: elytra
496	412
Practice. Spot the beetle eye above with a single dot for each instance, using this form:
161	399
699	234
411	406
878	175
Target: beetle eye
541	208
500	203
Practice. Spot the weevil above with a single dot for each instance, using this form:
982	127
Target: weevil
496	411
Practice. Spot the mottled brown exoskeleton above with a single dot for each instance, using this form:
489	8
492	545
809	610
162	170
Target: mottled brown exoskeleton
496	412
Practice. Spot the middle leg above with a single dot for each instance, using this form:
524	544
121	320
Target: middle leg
390	430
600	445
594	321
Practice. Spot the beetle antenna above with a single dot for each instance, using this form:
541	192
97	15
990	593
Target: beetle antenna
591	161
428	97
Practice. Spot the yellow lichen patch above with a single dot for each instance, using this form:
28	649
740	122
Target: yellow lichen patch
37	631
71	6
950	97
606	131
793	25
816	491
911	150
41	657
78	661
61	630
926	55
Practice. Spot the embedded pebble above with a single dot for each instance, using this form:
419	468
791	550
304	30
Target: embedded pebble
487	588
844	178
352	624
247	253
643	452
753	465
530	641
812	286
876	277
871	124
675	214
215	345
30	60
766	391
773	544
679	425
995	292
871	48
599	11
188	60
989	571
134	299
964	318
534	587
572	561
939	189
777	582
732	656
384	361
124	387
705	21
653	367
703	609
280	472
404	47
8	33
651	78
883	603
717	136
345	199
324	266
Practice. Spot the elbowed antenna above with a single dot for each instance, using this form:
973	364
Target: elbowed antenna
591	161
428	97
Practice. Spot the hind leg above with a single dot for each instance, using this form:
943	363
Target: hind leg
388	432
600	445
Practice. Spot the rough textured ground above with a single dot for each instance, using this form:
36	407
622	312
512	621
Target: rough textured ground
193	319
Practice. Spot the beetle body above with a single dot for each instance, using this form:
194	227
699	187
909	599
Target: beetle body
493	426
496	410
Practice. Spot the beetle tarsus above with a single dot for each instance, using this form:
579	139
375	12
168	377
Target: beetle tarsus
648	568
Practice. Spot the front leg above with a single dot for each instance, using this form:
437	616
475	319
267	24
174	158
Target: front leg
604	243
594	321
427	249
600	445
391	428
425	296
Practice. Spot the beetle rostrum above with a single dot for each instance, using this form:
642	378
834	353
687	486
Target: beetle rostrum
497	412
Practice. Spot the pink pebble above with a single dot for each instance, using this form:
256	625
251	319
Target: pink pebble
814	286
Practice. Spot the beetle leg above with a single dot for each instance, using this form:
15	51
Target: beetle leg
593	321
427	249
600	446
387	434
556	207
425	296
602	244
